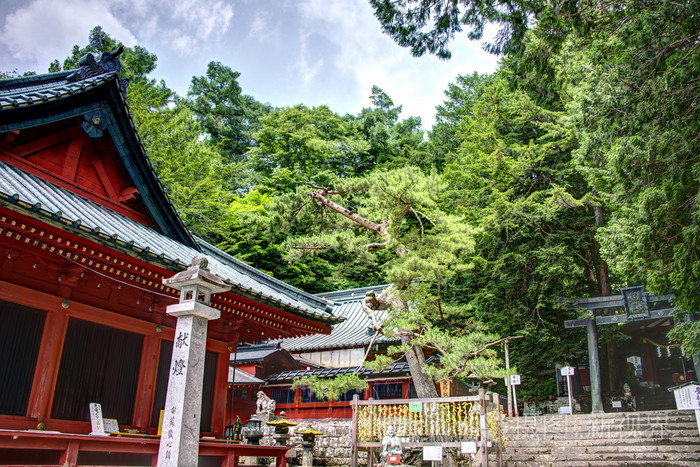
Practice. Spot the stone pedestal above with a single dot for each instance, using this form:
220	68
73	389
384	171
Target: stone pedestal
179	442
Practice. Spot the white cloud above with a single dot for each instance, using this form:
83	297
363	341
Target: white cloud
259	27
203	20
39	32
373	58
305	66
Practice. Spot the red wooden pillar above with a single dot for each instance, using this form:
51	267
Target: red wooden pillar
147	382
230	460
405	389
649	370
69	457
220	394
48	360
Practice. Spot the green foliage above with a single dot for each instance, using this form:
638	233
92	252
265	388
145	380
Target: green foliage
429	26
228	116
14	74
392	143
406	211
512	172
308	141
461	97
331	388
634	102
193	173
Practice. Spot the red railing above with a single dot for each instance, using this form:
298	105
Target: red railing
53	449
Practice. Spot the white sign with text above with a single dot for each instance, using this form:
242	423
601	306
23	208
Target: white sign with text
432	453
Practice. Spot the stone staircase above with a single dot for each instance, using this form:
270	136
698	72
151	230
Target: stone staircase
613	439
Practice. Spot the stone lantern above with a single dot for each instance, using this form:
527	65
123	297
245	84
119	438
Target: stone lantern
281	426
253	432
179	442
308	440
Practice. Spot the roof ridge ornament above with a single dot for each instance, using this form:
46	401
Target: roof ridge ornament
89	67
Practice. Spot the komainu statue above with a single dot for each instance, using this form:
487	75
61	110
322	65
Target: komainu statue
265	404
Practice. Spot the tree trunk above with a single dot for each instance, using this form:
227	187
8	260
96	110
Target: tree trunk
416	359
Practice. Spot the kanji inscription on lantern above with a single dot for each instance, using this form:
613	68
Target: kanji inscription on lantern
178	367
181	340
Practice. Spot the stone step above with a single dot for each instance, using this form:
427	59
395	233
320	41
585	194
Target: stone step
606	417
664	442
508	428
633	438
611	459
678	448
627	457
605	463
651	455
620	424
603	436
646	418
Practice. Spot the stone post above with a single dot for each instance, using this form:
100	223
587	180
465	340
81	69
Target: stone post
179	442
594	366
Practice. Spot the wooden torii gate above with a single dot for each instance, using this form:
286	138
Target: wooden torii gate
635	305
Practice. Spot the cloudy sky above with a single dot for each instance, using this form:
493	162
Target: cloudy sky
287	51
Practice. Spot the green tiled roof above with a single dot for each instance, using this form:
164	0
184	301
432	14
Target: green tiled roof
395	369
38	89
355	331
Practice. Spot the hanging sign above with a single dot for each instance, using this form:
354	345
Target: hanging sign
432	453
445	388
567	371
415	406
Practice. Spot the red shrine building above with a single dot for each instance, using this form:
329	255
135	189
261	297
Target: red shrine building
87	236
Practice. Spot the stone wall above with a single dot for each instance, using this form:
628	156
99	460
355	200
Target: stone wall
333	447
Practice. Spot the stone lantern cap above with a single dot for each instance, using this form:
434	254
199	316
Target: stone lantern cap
284	423
308	431
197	274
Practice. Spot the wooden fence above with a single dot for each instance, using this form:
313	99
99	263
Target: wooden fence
447	422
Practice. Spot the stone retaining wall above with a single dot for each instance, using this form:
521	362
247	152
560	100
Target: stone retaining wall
333	446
